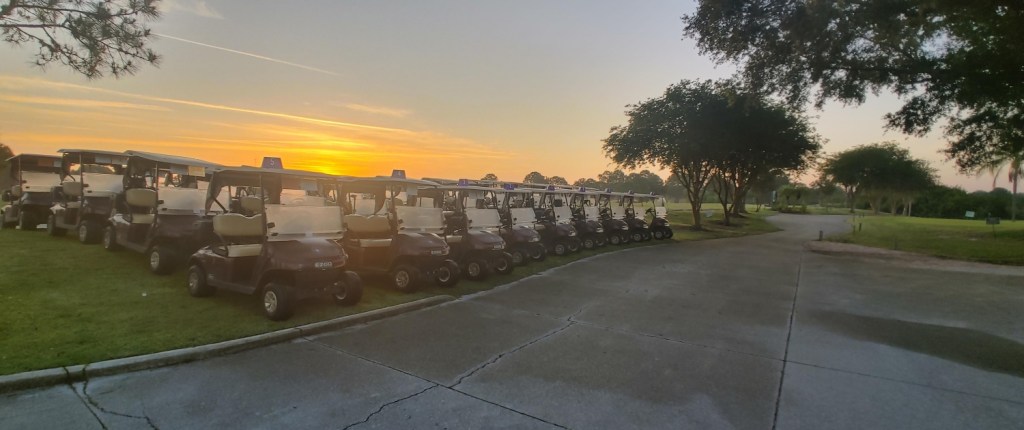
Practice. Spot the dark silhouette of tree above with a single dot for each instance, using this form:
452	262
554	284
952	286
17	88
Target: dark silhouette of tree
489	177
92	37
535	178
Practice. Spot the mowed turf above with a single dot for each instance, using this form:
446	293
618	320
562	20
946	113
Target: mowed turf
970	240
65	303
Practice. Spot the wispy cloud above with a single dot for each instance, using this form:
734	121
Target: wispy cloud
80	103
249	54
378	110
194	7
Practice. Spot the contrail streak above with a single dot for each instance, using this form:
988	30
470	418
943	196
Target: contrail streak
249	54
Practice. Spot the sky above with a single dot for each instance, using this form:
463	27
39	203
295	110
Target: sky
445	88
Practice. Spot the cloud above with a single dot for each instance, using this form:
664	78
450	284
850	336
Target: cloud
82	103
249	54
378	110
194	7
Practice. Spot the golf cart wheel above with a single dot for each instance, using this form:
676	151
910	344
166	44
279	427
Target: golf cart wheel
636	236
615	239
602	240
25	221
519	257
51	227
196	282
624	238
503	265
110	239
405	278
647	235
89	232
573	244
351	290
561	248
589	243
448	274
477	269
658	234
538	252
161	259
668	233
277	301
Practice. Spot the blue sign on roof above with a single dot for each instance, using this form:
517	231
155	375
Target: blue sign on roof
272	163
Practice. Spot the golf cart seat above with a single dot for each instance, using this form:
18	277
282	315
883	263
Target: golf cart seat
141	201
232	226
251	204
16	191
72	189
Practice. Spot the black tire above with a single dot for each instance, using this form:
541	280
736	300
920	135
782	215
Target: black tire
351	290
405	278
26	221
477	269
668	232
89	232
647	235
278	301
602	240
448	274
560	248
538	252
615	239
573	244
624	238
110	239
161	259
519	256
658	234
503	265
636	236
589	243
51	227
196	282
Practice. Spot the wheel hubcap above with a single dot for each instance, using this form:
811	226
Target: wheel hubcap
83	233
402	279
193	281
270	301
473	269
443	274
154	260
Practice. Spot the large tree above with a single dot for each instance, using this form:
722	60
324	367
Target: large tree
700	130
92	37
947	59
989	141
877	172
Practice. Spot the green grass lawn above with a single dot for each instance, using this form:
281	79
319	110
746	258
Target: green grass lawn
957	239
66	303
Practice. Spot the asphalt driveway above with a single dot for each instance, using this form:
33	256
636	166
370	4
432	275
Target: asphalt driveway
754	333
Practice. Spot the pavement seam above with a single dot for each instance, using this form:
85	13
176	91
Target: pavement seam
498	357
916	384
789	335
96	404
384	406
87	406
507	408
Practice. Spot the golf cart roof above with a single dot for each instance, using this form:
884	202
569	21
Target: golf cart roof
466	188
171	159
389	180
252	172
33	156
92	151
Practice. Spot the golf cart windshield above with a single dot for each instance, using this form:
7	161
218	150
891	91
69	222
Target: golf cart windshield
389	199
99	173
36	173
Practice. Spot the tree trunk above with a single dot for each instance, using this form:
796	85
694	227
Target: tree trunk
1013	200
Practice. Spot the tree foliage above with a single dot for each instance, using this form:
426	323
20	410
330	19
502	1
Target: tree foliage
700	130
643	182
946	59
876	172
489	177
989	141
92	37
535	178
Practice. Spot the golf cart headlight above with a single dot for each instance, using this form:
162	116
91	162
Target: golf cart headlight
572	233
599	230
534	239
625	227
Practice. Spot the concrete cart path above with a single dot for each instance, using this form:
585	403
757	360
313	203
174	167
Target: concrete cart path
753	332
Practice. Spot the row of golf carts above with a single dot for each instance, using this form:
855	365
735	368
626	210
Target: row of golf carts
288	235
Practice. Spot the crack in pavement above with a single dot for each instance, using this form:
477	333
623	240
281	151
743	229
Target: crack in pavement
789	334
498	357
96	404
382	407
86	403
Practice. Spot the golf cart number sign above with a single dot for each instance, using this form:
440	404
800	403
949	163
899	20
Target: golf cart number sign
323	264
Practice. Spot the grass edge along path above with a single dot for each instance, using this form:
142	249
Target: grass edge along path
968	240
66	303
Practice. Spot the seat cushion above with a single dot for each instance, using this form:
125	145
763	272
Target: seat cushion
143	218
250	250
374	243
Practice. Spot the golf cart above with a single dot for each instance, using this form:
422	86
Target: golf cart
613	218
29	200
472	226
520	221
388	233
287	251
162	211
554	221
84	200
587	217
654	206
638	230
